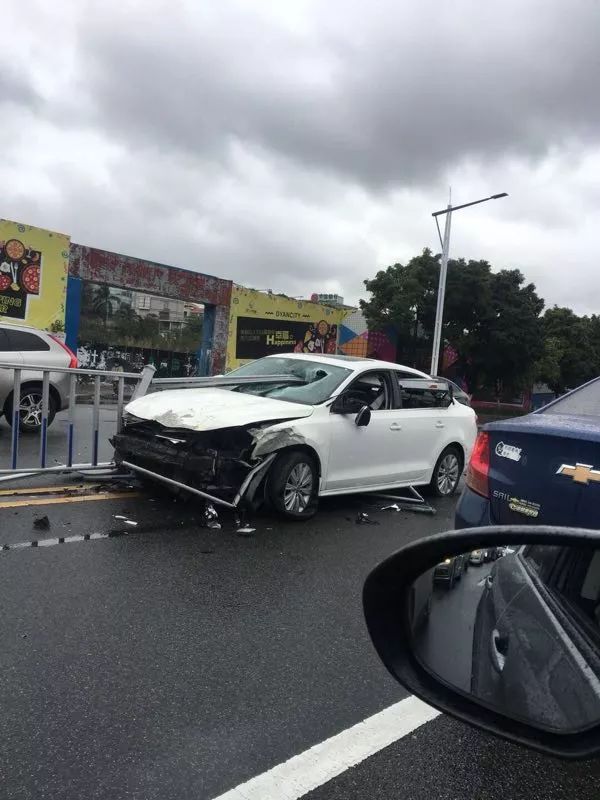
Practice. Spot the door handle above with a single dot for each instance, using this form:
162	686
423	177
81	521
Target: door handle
498	650
439	425
395	426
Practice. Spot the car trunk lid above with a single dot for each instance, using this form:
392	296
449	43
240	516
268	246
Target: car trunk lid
545	469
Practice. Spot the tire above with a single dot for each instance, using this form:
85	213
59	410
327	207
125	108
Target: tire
293	485
30	409
447	472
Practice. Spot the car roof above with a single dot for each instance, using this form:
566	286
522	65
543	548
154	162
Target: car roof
350	362
5	323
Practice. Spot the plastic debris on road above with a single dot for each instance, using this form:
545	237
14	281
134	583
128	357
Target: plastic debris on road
210	517
363	518
125	519
393	507
245	531
41	523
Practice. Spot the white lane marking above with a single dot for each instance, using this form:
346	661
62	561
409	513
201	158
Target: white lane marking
305	772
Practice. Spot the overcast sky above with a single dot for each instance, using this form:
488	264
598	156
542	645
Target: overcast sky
301	145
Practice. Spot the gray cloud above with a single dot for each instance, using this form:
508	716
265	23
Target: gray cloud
395	103
303	145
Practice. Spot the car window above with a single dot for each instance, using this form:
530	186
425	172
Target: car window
372	389
542	559
572	575
3	342
585	401
19	341
419	398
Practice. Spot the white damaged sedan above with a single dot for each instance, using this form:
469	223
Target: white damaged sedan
288	429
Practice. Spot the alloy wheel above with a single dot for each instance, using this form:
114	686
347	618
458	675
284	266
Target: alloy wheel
298	488
30	409
448	474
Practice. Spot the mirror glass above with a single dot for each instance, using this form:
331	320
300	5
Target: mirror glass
363	417
516	628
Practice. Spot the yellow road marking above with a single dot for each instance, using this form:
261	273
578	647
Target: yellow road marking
48	489
50	501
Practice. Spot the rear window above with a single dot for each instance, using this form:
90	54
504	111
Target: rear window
420	398
23	341
584	401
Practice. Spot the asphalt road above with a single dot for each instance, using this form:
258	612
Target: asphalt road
177	661
445	644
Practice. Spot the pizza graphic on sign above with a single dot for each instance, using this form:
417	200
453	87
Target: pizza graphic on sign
20	276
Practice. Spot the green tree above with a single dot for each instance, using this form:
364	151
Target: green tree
105	302
125	322
491	319
571	349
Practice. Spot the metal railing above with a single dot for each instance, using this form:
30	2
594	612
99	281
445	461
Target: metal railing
143	380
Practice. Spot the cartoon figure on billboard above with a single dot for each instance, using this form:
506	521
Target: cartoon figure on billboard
20	277
321	337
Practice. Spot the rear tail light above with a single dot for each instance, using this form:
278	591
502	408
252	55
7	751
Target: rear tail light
73	362
477	477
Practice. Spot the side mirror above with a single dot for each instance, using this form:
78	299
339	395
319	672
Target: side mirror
346	404
499	627
363	417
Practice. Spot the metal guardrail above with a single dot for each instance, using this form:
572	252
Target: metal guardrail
143	378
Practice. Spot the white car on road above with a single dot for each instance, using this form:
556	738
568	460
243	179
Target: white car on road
298	427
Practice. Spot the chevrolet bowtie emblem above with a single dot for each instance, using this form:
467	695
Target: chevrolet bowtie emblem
581	473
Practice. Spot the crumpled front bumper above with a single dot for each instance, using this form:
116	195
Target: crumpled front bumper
212	465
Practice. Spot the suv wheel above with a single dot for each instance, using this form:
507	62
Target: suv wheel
30	409
293	485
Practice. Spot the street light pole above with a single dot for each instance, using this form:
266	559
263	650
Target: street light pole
439	313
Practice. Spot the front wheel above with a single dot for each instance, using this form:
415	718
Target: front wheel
293	485
446	473
30	410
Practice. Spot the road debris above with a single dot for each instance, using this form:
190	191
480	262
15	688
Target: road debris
210	517
393	507
41	523
245	531
363	518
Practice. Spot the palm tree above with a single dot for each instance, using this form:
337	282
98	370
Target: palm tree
104	302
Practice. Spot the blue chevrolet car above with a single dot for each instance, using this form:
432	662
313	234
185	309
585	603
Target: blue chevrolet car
542	468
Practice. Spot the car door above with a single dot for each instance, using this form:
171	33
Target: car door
365	456
422	418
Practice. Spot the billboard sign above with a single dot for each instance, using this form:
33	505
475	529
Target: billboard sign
34	265
261	324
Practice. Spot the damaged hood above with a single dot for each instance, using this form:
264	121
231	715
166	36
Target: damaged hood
210	409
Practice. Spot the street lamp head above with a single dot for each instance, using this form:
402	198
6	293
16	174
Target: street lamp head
498	196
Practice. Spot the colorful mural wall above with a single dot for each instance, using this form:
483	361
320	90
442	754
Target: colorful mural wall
261	324
34	264
355	339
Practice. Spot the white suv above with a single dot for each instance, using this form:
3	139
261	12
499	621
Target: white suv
20	344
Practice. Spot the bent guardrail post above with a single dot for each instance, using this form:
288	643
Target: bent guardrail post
144	383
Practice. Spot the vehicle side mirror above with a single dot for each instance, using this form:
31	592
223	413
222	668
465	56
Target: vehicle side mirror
346	404
499	627
363	417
